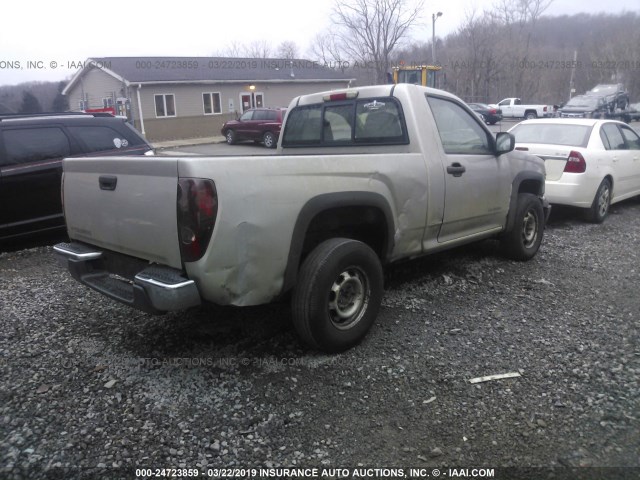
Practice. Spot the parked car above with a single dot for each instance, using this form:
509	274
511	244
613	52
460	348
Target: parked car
257	124
490	115
31	151
514	108
614	95
584	106
590	163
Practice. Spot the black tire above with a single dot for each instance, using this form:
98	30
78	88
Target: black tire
338	294
523	240
483	118
601	203
269	140
230	136
530	115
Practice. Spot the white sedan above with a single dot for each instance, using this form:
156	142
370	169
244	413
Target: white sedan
590	163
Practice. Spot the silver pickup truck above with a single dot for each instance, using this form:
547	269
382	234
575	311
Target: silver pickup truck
362	177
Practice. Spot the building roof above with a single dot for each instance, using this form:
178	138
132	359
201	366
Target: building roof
157	70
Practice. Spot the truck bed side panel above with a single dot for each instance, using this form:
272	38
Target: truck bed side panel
249	249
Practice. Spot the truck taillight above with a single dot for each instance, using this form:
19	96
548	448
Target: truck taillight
197	211
575	163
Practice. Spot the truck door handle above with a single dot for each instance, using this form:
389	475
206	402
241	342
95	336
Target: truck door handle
456	169
107	182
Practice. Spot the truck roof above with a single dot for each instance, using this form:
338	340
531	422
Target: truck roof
367	92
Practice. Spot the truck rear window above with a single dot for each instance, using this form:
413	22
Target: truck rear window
371	121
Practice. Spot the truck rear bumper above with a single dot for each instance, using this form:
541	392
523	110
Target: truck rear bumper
153	289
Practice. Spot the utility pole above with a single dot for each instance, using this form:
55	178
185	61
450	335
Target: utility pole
434	17
572	88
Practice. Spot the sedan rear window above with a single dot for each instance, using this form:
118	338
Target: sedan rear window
553	133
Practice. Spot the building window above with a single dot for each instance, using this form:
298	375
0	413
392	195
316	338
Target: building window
211	103
107	102
165	105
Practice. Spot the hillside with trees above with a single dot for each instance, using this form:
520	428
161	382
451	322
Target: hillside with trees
541	59
33	97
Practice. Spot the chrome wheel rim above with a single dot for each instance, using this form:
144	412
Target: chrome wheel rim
268	141
348	298
603	202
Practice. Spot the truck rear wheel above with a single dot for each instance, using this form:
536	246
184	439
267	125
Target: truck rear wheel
523	240
530	115
338	294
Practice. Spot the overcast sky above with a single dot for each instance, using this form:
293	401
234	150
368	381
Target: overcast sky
55	35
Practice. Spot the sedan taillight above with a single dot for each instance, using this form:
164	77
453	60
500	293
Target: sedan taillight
575	163
197	212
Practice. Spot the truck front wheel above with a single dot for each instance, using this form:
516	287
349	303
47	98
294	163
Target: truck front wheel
338	294
523	240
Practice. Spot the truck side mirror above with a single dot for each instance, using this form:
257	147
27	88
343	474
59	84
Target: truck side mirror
505	142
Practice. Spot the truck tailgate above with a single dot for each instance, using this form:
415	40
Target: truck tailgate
124	204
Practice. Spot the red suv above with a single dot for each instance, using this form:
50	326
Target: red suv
257	124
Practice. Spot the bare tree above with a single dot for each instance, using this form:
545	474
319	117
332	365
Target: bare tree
255	49
519	18
325	48
233	49
368	31
258	49
287	49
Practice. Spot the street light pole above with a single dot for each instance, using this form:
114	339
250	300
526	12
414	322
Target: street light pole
434	17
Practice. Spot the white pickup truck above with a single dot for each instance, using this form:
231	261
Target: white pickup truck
362	177
513	108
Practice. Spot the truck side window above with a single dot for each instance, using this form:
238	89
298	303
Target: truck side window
460	133
35	144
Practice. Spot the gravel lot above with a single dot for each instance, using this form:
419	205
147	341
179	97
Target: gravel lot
92	389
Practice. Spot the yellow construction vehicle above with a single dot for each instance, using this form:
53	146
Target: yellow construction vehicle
424	75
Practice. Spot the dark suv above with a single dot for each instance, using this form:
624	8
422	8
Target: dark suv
615	96
31	151
585	106
257	124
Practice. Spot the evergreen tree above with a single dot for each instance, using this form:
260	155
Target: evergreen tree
60	102
30	103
